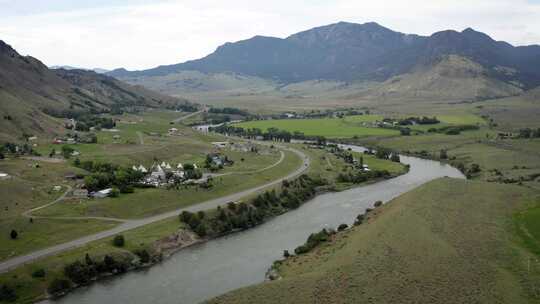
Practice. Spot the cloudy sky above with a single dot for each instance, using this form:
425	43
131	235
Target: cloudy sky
139	34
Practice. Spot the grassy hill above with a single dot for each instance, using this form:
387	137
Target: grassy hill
449	241
451	77
29	91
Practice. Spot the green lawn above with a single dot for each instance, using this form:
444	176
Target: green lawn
527	223
329	127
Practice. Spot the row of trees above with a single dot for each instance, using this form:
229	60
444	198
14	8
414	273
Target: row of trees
271	134
245	215
229	110
418	120
529	133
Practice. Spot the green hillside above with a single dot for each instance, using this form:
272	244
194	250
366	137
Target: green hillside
449	241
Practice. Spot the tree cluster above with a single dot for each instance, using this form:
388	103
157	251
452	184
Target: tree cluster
229	110
529	133
104	175
314	240
245	215
357	177
453	130
82	273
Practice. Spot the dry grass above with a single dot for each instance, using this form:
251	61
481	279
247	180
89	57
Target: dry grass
448	241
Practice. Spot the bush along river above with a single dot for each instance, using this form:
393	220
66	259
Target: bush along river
206	270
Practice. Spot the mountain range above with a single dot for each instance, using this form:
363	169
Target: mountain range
352	53
34	97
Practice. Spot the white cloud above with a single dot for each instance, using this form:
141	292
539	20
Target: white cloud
143	35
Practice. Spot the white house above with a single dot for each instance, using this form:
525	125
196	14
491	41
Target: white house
158	173
103	193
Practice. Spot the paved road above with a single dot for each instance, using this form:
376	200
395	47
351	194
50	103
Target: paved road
179	119
132	224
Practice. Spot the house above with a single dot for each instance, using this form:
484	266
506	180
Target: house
75	153
57	188
116	137
58	141
216	160
80	193
290	115
32	138
158	174
173	130
4	175
140	168
102	193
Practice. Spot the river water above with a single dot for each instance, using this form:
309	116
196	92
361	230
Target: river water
207	270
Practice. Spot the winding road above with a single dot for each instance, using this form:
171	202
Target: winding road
132	224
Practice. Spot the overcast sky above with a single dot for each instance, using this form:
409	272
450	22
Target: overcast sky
140	34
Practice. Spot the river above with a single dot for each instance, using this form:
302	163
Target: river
207	270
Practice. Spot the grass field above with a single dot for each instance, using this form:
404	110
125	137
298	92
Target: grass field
30	290
146	202
32	186
448	241
328	127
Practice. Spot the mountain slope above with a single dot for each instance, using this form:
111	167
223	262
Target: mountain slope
357	52
450	77
28	90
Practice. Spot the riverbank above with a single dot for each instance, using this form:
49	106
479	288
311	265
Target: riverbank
225	263
448	241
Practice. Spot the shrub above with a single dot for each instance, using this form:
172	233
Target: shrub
39	273
7	294
186	216
119	241
13	234
80	273
143	255
58	286
115	192
377	204
342	227
286	253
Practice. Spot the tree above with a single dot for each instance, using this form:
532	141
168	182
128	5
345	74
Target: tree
7	294
395	157
67	151
39	273
443	154
115	192
58	286
119	241
13	234
405	131
342	227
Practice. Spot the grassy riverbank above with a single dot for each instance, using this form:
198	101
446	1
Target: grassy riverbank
449	241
